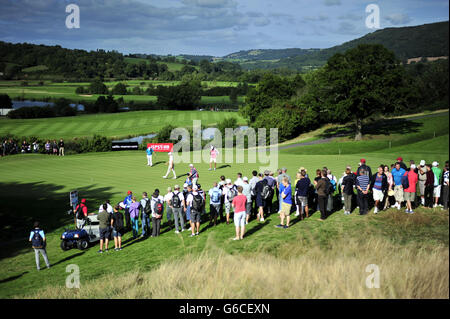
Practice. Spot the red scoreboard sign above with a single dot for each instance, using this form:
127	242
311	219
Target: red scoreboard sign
161	147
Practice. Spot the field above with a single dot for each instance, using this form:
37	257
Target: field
111	125
66	90
319	259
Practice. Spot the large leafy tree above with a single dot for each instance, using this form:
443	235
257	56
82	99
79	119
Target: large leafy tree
361	82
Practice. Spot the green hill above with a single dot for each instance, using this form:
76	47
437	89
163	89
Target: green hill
428	40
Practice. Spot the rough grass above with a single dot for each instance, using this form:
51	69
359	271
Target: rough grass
408	271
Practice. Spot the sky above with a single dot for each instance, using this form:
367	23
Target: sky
205	27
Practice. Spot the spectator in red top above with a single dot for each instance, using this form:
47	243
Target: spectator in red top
80	221
410	193
239	207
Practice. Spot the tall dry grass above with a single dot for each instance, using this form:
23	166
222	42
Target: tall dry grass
298	271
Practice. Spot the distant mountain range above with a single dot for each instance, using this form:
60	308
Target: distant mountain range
428	40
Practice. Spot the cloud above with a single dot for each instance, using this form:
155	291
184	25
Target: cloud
210	3
332	3
398	18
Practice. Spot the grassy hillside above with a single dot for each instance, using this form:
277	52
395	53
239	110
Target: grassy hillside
111	125
319	259
428	40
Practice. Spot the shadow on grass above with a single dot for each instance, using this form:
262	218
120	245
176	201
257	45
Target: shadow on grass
25	203
256	228
375	127
12	277
68	258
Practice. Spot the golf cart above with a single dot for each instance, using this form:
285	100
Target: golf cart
81	238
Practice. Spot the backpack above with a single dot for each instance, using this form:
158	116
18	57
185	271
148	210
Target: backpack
405	181
215	196
197	203
148	207
333	184
232	192
118	221
159	207
79	213
265	193
37	241
329	189
176	202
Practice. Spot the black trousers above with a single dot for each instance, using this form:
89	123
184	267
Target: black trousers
363	203
127	219
322	203
444	196
429	195
156	226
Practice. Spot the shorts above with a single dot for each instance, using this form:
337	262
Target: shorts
104	233
378	195
195	216
398	193
409	196
303	200
227	207
248	207
117	233
214	209
437	191
239	219
259	202
211	160
286	209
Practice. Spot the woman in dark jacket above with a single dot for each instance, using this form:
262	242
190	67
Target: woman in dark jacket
348	182
429	187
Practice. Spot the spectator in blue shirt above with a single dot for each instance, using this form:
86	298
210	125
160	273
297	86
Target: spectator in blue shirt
397	174
149	152
38	242
286	196
127	202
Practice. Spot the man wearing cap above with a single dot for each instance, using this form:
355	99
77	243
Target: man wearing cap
397	174
271	181
247	192
437	183
402	165
226	190
422	175
366	168
127	202
213	157
215	196
82	206
193	174
149	152
410	192
170	166
177	203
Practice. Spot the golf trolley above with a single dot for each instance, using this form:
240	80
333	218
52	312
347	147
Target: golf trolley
81	238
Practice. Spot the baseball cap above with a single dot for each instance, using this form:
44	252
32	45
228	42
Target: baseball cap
194	187
422	163
435	164
283	168
399	158
191	165
129	192
266	172
362	160
245	179
185	185
83	200
228	181
413	166
176	187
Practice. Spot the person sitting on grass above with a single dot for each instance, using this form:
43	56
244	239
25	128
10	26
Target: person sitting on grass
38	242
117	225
286	204
239	207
